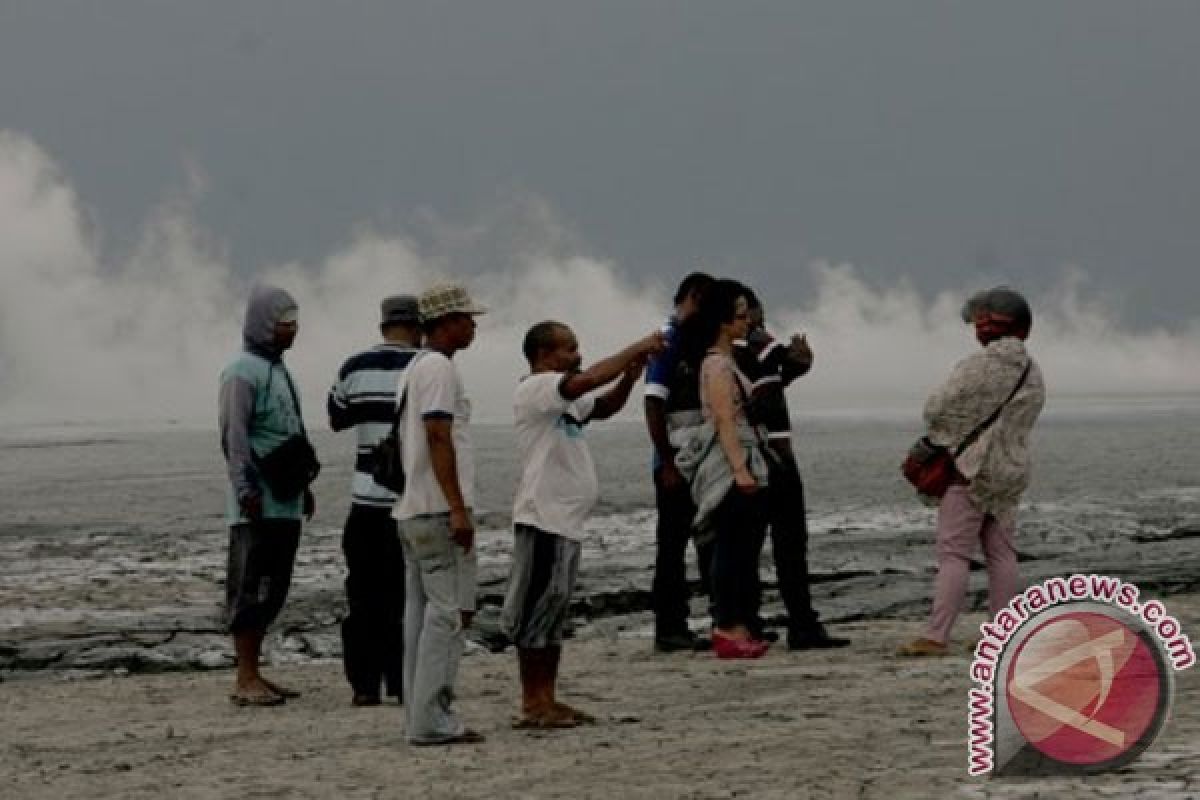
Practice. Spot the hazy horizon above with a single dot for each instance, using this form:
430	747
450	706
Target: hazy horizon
148	337
863	166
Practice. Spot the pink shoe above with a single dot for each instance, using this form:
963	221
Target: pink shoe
724	647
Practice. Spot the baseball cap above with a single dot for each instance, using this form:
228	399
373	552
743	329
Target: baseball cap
401	309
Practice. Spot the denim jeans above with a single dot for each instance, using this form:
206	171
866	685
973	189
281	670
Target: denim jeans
440	580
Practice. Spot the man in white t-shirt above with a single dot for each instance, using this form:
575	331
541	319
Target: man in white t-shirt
557	491
434	518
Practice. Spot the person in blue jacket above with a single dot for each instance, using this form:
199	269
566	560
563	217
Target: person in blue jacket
259	410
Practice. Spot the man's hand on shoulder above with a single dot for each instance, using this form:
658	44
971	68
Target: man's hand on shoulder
652	344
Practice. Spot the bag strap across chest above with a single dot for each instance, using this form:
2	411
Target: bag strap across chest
291	390
981	427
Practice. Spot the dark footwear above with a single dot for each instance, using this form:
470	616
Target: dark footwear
546	720
466	737
922	648
759	630
814	638
282	691
256	699
363	700
680	642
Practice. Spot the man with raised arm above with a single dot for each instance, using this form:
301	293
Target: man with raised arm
557	491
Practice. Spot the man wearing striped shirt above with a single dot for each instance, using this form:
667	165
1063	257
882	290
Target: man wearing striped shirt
364	398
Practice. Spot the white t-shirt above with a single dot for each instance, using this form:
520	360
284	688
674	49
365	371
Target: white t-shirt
558	479
435	391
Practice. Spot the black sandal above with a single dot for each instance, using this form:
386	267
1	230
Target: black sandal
257	700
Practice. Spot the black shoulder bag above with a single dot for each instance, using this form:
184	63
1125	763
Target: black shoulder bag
292	466
388	468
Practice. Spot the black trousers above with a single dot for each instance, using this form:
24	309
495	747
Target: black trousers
259	572
740	521
373	630
669	591
787	517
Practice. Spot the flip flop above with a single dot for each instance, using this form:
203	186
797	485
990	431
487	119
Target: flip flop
541	722
282	691
255	700
466	737
580	717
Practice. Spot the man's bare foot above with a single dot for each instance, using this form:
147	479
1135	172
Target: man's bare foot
580	717
555	715
255	693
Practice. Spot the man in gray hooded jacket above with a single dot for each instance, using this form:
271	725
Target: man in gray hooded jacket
259	410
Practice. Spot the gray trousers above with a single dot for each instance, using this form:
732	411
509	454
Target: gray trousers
440	584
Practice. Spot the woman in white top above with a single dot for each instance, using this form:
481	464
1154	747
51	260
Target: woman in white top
740	519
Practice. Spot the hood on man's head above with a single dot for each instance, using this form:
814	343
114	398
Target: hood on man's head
266	306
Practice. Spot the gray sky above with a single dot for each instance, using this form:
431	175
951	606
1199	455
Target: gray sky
923	139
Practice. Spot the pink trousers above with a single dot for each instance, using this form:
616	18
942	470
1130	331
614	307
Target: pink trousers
961	528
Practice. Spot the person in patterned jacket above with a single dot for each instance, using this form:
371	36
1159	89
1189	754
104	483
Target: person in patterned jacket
980	508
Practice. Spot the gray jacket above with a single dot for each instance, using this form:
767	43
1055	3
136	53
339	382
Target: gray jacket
256	409
703	464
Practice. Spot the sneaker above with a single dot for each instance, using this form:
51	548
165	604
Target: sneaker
364	700
921	648
814	638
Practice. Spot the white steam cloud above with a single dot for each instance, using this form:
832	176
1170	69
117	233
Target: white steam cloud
145	340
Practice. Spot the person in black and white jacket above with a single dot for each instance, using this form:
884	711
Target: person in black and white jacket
772	365
364	398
